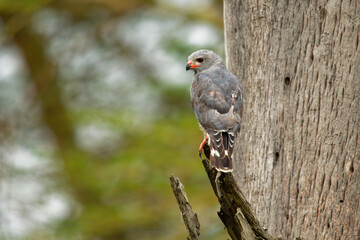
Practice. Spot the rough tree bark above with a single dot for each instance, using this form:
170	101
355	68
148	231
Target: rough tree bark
297	157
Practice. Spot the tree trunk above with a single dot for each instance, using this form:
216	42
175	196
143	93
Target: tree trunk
297	157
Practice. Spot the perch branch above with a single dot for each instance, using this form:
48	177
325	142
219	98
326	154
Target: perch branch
190	218
235	211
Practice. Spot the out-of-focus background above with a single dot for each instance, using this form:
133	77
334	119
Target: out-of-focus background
95	116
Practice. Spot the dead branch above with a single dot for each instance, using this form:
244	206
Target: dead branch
190	218
235	211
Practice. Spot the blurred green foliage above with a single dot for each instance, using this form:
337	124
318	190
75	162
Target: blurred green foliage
9	6
116	187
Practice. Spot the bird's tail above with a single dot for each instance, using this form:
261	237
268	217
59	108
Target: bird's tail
221	147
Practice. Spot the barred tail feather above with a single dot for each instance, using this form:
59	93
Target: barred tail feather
220	152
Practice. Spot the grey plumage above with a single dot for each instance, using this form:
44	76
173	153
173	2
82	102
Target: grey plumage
217	100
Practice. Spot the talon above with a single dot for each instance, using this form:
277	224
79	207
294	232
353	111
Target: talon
206	139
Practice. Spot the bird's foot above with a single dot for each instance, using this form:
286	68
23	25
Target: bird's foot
206	139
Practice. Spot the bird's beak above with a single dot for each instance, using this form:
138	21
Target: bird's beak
190	65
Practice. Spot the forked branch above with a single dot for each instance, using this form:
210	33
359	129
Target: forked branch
235	211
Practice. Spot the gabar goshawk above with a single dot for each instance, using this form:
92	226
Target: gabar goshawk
217	100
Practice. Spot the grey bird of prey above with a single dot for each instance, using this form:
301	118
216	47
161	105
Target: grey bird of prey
217	100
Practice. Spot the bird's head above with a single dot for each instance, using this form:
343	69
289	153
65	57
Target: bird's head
203	59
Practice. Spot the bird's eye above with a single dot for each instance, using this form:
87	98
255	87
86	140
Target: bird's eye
200	60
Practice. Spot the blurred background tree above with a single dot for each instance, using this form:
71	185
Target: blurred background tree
95	116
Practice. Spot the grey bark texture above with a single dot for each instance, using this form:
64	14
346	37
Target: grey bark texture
298	154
